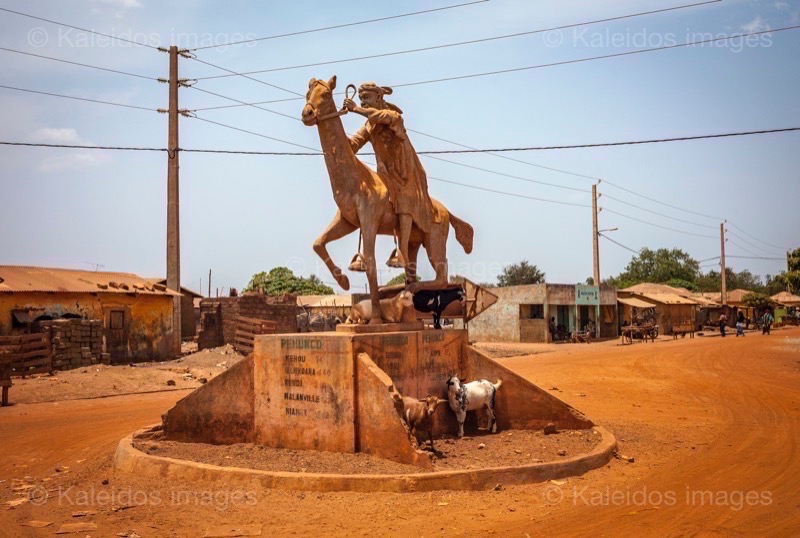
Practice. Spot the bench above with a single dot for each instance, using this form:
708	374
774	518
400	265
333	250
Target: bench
683	329
642	332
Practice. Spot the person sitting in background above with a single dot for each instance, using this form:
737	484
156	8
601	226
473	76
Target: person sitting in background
740	323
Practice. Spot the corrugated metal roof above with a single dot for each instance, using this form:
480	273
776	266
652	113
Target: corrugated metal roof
668	298
184	289
22	279
633	301
786	298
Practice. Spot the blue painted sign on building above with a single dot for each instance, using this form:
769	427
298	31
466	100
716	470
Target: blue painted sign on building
587	295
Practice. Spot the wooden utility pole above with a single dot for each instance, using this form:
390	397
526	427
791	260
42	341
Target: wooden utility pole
595	239
209	282
724	294
173	201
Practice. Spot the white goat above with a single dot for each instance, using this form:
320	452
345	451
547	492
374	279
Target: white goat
470	397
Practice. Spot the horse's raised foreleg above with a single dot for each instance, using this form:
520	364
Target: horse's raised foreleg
337	229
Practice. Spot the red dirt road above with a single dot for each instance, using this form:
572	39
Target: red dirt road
713	425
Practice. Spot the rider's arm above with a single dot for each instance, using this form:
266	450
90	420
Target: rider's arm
358	140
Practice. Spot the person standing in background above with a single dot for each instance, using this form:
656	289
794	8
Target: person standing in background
740	323
723	320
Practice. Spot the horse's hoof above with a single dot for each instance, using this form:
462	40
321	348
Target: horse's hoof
343	282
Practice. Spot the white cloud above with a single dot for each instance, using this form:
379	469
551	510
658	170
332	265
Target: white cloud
756	25
72	160
122	3
782	6
60	160
55	135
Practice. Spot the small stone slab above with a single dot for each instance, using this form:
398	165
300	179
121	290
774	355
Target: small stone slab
357	328
70	528
231	531
36	524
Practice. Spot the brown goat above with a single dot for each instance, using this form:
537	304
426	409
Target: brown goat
418	414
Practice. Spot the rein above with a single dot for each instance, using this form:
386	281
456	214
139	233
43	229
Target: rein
341	112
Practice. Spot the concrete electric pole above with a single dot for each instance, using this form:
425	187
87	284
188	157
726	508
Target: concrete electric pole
723	289
173	201
595	239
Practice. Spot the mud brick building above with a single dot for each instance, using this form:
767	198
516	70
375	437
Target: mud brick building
521	313
129	317
218	316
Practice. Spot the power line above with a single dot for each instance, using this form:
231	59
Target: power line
593	178
509	193
78	98
755	258
613	144
439	152
737	245
223	151
262	136
78	28
247	104
592	58
588	59
656	225
460	43
76	146
245	75
754	237
709	259
342	25
506	157
619	244
77	63
657	213
243	103
556	185
734	234
660	202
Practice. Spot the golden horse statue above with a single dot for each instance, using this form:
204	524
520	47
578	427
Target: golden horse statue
364	204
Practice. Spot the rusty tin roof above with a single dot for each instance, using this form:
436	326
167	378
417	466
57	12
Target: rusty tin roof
21	279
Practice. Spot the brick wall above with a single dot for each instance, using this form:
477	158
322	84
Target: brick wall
218	316
76	343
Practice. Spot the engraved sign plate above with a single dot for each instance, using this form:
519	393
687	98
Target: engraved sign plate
304	392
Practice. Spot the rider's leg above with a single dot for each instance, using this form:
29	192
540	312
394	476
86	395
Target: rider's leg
404	234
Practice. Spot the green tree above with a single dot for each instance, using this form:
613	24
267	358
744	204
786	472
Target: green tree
281	280
681	283
400	279
774	284
520	273
759	301
659	267
791	278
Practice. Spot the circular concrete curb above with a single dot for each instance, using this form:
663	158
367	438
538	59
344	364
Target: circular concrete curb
127	459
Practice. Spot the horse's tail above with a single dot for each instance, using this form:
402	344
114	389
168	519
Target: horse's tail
464	232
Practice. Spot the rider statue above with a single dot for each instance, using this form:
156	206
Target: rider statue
398	163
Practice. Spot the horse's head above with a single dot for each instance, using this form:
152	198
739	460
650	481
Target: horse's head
319	100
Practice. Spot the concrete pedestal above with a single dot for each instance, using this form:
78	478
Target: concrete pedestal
340	392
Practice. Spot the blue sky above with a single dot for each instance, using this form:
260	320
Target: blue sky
243	214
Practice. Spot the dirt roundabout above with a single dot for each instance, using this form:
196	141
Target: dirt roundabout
704	415
512	448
